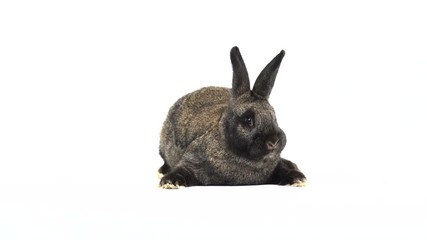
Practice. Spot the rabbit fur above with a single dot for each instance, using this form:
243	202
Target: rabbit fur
222	136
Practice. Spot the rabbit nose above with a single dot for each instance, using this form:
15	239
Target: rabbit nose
272	146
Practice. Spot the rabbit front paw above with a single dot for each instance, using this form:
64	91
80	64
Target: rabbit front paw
172	181
299	183
178	178
294	178
170	186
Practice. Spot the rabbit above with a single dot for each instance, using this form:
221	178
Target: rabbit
220	136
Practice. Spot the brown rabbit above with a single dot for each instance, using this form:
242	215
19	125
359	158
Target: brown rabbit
222	136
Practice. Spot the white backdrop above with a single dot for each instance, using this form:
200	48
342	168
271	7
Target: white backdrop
86	85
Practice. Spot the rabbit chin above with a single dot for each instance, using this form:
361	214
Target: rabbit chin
255	154
272	155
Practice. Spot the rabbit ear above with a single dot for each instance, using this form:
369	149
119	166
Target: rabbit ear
265	81
241	83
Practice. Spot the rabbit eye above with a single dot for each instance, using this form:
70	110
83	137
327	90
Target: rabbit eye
249	121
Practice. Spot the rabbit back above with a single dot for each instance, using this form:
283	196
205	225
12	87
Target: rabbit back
191	117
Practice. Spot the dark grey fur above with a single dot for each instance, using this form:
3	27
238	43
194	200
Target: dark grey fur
222	136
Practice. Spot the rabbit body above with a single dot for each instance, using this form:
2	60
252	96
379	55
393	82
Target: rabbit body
222	136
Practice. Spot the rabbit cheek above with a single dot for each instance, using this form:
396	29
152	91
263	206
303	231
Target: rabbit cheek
236	140
251	148
239	145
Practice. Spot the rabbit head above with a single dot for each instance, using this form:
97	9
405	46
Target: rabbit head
249	123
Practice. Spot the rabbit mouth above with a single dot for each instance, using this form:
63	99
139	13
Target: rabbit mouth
265	149
272	146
